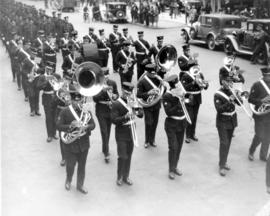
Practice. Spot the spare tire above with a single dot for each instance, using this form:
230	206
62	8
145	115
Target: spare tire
120	14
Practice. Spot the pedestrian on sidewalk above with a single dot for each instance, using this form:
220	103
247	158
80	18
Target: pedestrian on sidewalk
134	12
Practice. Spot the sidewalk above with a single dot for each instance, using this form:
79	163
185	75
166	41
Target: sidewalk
165	21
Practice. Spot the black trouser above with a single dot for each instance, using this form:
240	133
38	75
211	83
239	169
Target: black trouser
151	122
33	98
268	172
62	150
114	63
71	159
125	78
104	62
49	111
25	85
14	69
140	70
124	150
262	136
225	138
175	141
193	113
105	129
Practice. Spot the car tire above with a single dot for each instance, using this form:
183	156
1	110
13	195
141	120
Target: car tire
184	35
228	47
211	43
262	57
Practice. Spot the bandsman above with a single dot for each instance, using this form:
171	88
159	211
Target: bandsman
115	43
104	102
125	37
103	48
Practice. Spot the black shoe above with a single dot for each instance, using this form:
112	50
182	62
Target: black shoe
26	99
253	62
171	175
226	167
222	172
38	113
119	182
82	189
187	140
146	145
194	138
49	139
128	181
107	159
32	114
263	159
67	185
19	89
178	172
153	144
55	137
251	157
63	163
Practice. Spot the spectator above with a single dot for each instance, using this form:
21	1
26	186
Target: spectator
208	8
193	15
134	12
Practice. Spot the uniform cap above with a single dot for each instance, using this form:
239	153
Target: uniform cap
74	32
66	17
91	29
127	86
105	70
126	43
173	79
140	33
186	47
41	32
125	29
160	38
59	14
101	31
115	26
151	68
265	70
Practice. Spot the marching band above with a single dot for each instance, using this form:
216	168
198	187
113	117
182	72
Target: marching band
67	99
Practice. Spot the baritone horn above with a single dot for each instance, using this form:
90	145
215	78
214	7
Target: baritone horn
165	60
89	82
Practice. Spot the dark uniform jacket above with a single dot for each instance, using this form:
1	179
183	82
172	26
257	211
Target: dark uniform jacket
184	64
122	131
37	47
190	86
121	60
67	63
63	124
124	38
153	51
224	73
257	93
114	41
172	109
144	87
102	98
224	107
49	55
141	53
103	48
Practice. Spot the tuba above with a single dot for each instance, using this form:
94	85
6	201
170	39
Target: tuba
165	60
89	82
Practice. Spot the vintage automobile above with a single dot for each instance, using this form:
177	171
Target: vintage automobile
242	41
65	5
116	12
211	29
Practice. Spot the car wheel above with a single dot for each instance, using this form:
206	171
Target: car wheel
211	43
185	36
192	34
262	57
228	46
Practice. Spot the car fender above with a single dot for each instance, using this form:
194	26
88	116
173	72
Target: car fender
232	39
186	29
267	46
211	34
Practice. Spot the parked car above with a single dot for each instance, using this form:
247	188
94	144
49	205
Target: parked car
243	41
116	12
211	29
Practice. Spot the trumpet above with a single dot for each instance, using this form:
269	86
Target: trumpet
237	96
128	63
180	92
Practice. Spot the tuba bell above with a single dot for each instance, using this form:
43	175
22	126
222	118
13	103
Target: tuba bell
165	60
89	82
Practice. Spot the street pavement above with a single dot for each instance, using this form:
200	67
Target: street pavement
33	180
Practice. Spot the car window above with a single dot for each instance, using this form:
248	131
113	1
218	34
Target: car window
208	21
250	27
232	23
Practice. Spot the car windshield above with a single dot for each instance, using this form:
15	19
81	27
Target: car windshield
232	23
117	7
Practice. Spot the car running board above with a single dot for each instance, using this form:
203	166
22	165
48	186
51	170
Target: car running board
197	41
